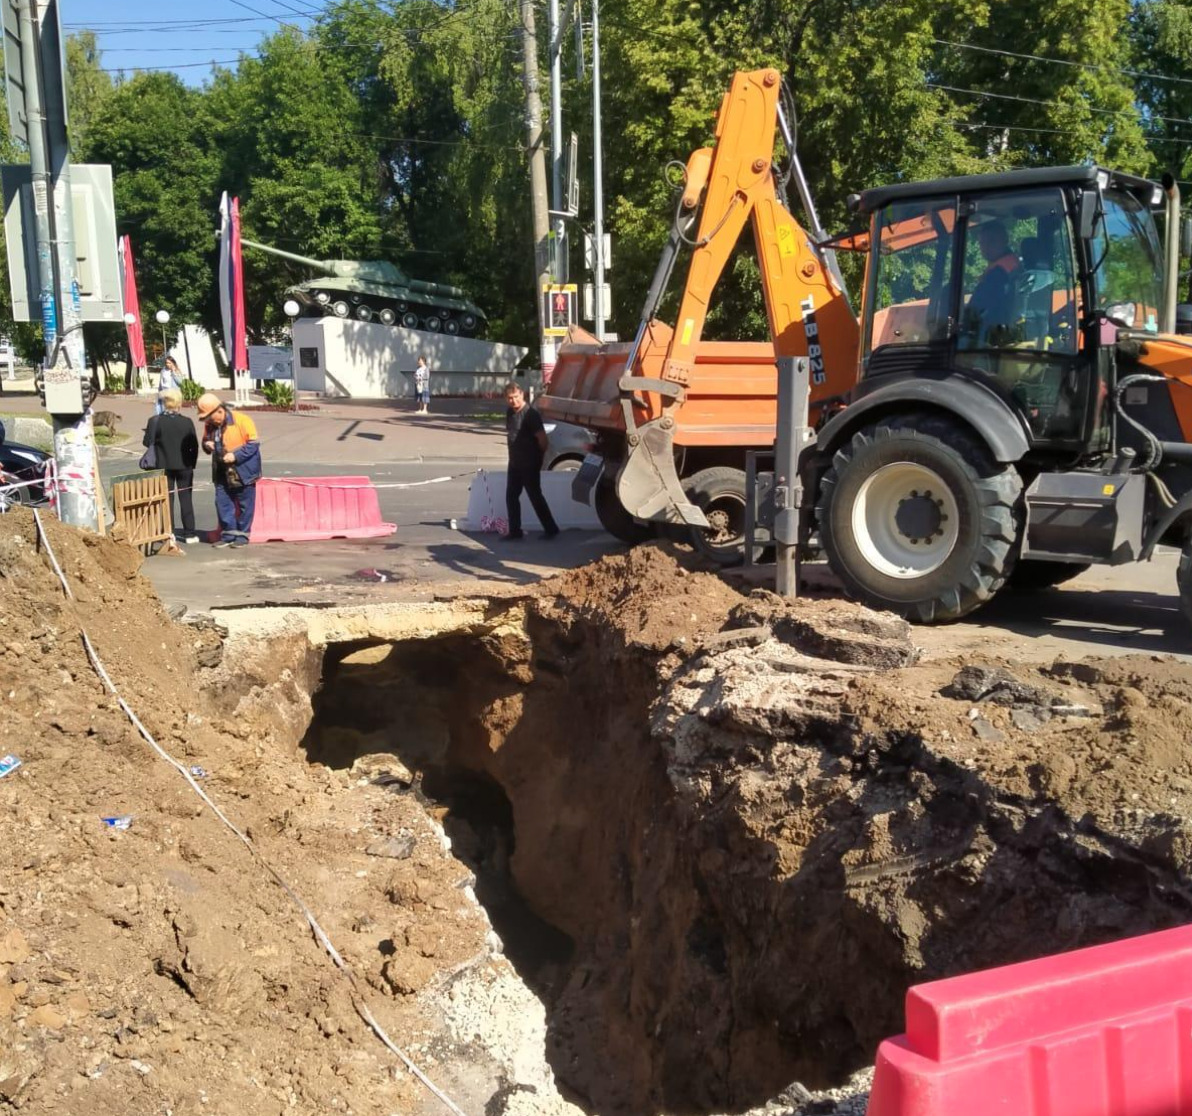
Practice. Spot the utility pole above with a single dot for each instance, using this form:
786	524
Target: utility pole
598	183
558	202
61	312
538	196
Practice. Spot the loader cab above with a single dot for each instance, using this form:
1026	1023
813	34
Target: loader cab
1007	281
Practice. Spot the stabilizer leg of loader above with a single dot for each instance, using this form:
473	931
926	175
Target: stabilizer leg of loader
647	484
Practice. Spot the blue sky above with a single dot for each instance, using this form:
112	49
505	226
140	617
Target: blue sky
180	35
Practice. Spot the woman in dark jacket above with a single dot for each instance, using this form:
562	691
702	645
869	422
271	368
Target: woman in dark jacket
173	437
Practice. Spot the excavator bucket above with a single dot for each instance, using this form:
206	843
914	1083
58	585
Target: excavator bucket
647	484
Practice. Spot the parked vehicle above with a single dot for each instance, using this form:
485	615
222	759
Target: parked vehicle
22	464
567	445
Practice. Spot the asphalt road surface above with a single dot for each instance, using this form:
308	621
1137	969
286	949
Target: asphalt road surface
1132	608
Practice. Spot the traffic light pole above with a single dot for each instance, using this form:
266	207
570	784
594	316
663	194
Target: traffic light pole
65	367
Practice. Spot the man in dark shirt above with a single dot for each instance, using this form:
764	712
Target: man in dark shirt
527	445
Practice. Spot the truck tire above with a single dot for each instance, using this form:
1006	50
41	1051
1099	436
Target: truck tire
613	516
1183	580
917	518
719	493
1034	577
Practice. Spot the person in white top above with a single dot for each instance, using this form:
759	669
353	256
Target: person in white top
422	387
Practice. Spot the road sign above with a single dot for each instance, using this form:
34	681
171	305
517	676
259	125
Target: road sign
97	262
590	251
590	306
14	72
559	309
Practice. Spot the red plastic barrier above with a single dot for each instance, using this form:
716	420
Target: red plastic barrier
307	508
1105	1031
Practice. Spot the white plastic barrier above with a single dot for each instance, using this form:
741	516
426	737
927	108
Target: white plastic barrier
486	503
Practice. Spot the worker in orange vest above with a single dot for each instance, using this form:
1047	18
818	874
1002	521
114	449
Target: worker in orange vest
231	440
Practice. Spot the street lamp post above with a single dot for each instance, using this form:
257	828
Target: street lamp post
163	316
292	310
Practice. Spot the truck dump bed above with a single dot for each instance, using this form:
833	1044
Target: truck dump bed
730	400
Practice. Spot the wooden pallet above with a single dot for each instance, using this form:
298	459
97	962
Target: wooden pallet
142	508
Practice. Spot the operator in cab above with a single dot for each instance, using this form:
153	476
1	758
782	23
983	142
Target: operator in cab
991	311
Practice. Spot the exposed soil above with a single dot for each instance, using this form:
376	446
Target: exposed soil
753	824
717	836
158	968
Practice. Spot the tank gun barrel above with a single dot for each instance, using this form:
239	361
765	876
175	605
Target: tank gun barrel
443	289
318	265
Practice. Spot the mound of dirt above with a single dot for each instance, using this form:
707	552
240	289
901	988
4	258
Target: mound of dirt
647	594
153	965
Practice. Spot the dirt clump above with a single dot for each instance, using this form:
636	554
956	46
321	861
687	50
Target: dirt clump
649	594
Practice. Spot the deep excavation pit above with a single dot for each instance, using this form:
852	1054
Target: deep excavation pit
719	858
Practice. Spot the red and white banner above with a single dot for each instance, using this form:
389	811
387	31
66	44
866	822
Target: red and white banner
132	305
231	284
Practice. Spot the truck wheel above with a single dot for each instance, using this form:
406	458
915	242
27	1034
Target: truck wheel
613	516
1183	580
1033	577
916	517
719	493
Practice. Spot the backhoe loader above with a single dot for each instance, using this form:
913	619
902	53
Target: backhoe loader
1012	405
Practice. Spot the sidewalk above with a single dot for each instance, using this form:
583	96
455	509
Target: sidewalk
341	432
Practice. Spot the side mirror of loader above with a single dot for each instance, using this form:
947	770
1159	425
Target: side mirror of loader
1090	204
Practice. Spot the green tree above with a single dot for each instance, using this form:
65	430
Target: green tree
154	134
88	85
294	149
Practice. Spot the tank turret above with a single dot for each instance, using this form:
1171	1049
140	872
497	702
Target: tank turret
380	290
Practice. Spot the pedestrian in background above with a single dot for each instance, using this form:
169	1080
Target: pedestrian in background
422	387
527	447
231	439
171	377
176	446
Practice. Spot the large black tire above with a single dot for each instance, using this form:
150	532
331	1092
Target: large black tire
719	493
613	516
1183	580
917	518
1034	577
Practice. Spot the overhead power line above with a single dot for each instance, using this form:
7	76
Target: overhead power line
1063	62
1057	104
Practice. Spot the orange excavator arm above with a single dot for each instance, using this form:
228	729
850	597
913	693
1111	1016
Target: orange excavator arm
729	185
808	312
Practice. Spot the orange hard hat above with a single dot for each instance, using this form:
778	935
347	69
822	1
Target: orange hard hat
208	403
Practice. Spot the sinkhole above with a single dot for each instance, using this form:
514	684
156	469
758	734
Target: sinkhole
715	900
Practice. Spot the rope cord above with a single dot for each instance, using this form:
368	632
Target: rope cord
319	933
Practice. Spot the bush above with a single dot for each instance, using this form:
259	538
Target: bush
191	390
114	384
278	394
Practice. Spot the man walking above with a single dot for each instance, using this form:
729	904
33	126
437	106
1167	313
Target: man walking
527	446
231	439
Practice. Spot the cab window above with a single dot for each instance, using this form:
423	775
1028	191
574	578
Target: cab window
1128	261
913	269
1018	290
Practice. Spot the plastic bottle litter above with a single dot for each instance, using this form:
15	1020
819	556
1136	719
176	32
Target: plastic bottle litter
198	772
118	823
7	764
